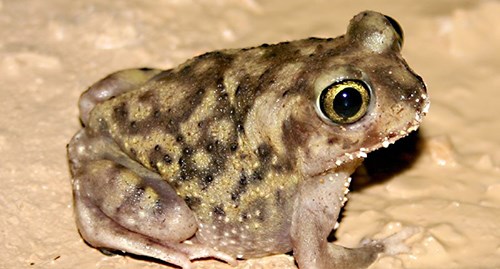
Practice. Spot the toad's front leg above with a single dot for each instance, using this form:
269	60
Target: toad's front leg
316	210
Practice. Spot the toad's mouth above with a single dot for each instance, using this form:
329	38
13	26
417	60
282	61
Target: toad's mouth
349	161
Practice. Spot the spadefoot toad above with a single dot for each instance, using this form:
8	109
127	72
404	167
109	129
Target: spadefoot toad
242	153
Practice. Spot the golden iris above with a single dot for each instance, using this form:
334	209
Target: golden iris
345	101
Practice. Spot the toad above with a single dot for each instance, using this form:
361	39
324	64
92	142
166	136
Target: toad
242	153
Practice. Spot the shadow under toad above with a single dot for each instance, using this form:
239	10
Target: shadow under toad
385	163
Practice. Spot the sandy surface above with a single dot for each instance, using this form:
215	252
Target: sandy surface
50	51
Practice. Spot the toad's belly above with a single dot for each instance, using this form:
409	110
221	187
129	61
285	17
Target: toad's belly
246	238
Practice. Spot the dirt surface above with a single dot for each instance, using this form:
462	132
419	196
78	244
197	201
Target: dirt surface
448	187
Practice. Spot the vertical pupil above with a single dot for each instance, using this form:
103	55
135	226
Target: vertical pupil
347	102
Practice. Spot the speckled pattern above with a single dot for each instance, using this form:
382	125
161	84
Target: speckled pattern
242	140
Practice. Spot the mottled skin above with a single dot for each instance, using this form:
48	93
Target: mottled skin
229	155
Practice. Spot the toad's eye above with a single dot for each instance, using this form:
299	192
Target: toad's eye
345	101
397	29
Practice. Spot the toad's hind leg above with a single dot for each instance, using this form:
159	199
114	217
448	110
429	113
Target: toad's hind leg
112	86
121	205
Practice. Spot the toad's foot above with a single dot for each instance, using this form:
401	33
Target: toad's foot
394	244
